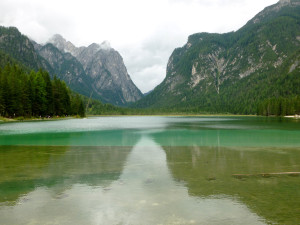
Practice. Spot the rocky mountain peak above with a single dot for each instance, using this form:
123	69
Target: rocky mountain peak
58	41
110	77
94	47
106	69
66	46
105	45
62	44
57	38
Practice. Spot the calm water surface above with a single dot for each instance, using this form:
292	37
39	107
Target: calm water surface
150	170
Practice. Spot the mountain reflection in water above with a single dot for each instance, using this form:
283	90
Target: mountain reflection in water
150	170
143	193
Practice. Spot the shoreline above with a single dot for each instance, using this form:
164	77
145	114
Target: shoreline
11	120
175	115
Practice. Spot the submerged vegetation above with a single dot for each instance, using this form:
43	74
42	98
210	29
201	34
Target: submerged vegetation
212	173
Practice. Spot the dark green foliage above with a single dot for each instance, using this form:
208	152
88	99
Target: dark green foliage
7	59
95	107
34	94
279	106
77	105
61	98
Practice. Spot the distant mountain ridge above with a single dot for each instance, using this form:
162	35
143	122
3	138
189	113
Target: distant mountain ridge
106	69
234	72
96	70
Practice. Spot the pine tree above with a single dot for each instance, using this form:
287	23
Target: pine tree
49	93
39	87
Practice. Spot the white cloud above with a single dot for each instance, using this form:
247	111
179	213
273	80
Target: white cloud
148	74
145	32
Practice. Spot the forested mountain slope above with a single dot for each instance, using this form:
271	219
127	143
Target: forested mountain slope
236	72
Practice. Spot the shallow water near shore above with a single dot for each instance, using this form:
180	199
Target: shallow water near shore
150	170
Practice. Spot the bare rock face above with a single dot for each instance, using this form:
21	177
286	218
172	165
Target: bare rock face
66	67
65	46
106	69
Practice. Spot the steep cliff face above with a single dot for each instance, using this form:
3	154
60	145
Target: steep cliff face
110	78
105	68
211	70
66	67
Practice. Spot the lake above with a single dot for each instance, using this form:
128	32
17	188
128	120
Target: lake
150	170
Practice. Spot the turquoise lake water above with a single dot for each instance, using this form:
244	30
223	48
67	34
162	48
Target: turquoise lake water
150	170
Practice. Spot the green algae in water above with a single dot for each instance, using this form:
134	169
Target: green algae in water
208	171
150	170
25	168
133	186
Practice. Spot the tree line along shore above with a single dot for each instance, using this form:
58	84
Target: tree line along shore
32	94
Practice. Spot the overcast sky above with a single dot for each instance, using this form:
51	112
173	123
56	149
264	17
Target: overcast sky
145	32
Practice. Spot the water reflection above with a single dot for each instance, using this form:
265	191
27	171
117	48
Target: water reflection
149	170
223	137
25	169
208	171
144	193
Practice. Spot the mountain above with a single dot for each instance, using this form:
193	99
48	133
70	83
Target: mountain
27	91
96	70
19	47
234	72
105	68
16	48
148	92
66	67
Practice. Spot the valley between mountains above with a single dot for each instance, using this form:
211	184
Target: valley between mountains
254	70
